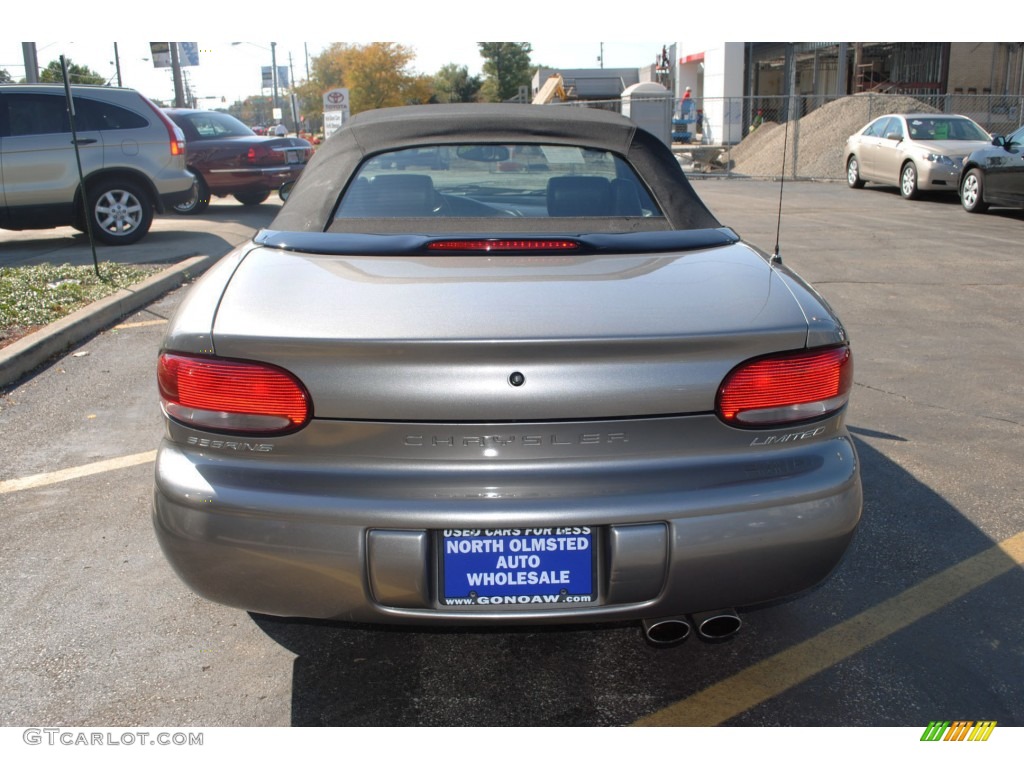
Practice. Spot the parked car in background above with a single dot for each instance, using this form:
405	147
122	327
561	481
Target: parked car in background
228	158
560	394
132	160
431	157
994	175
915	152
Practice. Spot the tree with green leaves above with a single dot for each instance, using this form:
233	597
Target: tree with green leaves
77	75
453	84
376	74
506	68
5	76
253	110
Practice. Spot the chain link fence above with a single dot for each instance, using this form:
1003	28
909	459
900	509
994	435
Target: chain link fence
738	136
996	114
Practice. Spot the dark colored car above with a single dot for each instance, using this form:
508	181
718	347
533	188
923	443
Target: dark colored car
228	158
130	155
994	175
560	392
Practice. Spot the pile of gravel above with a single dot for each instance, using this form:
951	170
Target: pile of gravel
751	147
818	139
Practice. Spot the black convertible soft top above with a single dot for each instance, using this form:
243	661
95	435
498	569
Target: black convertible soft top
311	205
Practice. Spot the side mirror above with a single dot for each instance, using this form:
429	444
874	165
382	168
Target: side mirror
998	140
286	189
894	136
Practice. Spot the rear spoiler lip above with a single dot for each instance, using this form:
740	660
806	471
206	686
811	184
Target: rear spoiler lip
349	244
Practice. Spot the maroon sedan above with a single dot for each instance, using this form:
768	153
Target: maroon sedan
228	158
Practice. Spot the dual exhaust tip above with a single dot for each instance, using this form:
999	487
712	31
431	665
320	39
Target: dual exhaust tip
710	625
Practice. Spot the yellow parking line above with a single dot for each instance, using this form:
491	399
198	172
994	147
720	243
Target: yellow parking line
61	475
140	324
779	673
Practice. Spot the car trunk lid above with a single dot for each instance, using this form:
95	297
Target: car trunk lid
507	338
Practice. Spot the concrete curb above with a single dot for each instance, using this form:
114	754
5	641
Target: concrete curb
28	353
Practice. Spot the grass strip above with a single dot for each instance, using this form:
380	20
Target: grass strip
34	296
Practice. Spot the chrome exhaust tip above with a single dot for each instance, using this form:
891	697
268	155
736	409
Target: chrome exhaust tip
666	631
716	625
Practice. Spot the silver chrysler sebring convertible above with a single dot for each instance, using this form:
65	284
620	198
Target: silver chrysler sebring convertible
536	383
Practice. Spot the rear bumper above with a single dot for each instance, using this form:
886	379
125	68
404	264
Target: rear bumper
670	536
269	179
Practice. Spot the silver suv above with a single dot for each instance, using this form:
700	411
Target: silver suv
133	161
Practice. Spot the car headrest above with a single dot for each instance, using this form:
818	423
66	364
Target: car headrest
391	195
579	196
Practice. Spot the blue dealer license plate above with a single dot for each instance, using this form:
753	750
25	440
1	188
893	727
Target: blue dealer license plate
518	566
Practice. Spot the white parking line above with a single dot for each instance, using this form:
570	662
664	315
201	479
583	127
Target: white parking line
71	473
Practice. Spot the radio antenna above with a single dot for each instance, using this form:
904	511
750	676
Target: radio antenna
776	258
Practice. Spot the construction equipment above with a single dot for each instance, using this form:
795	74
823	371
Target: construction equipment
553	88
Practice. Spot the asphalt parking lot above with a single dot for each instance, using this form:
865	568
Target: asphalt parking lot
920	622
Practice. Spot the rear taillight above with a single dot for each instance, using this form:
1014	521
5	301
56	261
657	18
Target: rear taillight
178	141
174	133
779	389
258	155
221	395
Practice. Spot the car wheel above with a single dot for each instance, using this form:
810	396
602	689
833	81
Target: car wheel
252	198
971	192
853	173
198	202
908	182
122	211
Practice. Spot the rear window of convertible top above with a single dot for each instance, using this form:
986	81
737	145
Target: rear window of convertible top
482	181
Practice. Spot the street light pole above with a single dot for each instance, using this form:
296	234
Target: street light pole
273	71
273	68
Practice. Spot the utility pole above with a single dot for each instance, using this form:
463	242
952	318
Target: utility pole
117	63
28	52
179	91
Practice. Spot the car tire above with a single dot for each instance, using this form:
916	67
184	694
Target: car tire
908	182
853	173
972	192
198	202
121	211
252	198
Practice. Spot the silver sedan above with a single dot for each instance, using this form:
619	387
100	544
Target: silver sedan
914	152
539	384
